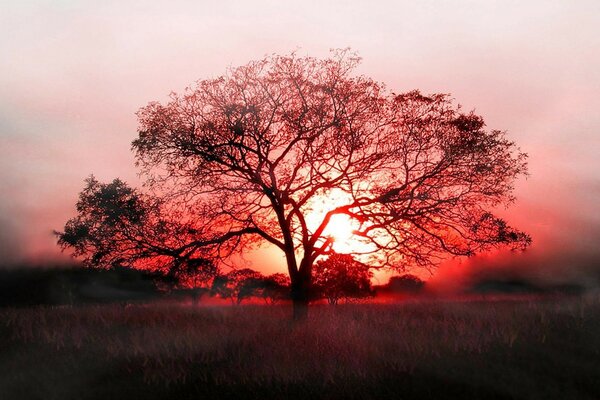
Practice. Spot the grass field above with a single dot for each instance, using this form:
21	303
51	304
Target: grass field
521	349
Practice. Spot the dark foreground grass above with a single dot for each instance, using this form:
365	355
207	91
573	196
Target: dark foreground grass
545	349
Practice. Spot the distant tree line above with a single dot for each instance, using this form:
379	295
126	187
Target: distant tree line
72	284
402	285
337	277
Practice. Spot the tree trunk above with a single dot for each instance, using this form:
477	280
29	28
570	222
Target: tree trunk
300	309
300	297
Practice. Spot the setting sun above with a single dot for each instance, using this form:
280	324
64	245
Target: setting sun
341	228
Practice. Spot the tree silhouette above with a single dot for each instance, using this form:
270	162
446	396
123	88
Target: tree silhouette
237	285
247	157
195	275
270	288
275	287
403	284
341	276
118	226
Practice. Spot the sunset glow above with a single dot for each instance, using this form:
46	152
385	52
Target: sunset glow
341	228
92	68
310	199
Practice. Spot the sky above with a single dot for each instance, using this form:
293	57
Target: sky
73	74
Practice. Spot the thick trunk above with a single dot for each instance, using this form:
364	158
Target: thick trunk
300	309
300	297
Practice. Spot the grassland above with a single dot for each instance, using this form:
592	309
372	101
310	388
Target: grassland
526	349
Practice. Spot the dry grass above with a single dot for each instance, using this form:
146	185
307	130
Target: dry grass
501	349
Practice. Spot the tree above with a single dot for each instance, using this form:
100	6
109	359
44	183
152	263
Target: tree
270	288
404	284
118	226
195	275
245	283
223	287
237	285
275	287
341	276
255	152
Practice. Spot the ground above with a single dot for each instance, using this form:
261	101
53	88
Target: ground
428	349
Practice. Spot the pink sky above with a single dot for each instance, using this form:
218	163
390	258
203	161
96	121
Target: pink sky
73	73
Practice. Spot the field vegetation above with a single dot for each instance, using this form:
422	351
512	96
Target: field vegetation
544	348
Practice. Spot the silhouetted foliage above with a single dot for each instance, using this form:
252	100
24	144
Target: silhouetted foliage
237	285
58	285
118	226
340	276
242	284
275	287
505	286
403	284
243	159
513	285
270	288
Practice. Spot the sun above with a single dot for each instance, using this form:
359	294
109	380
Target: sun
341	228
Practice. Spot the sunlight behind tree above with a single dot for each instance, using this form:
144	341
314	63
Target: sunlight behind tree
255	155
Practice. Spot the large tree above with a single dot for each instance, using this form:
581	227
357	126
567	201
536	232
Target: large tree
270	145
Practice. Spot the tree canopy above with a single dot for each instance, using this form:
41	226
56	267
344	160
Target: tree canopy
245	283
247	157
404	284
340	276
117	225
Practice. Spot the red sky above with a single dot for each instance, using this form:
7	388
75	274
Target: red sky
73	73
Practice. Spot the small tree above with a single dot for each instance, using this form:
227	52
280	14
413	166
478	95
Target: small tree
195	275
341	276
237	285
404	284
276	287
242	284
222	287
